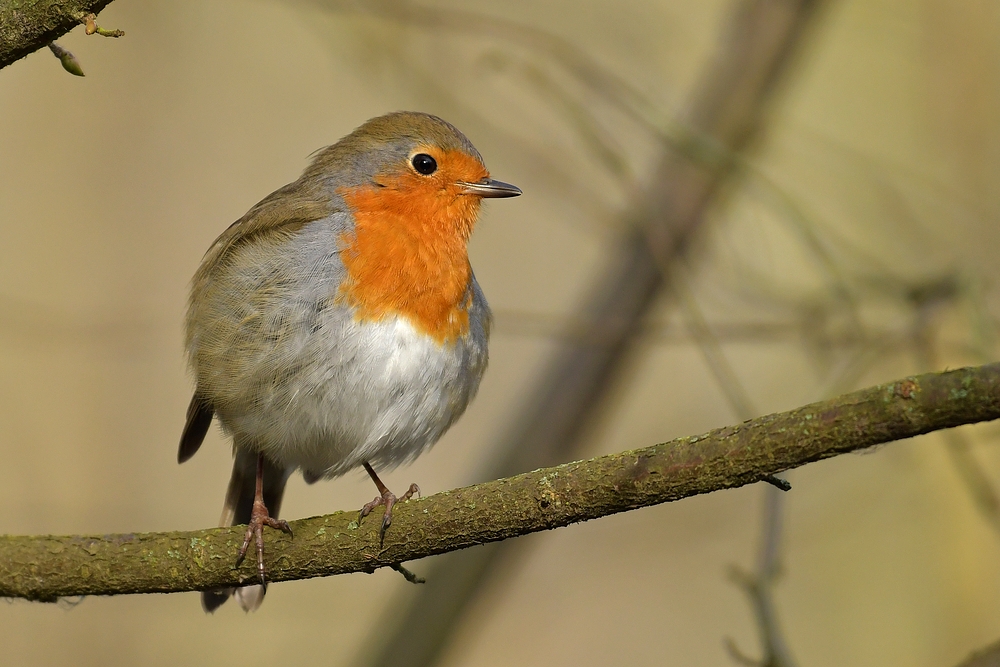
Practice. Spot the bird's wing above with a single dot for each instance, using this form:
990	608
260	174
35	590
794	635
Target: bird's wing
282	212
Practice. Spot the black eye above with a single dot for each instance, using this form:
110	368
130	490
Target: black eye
424	164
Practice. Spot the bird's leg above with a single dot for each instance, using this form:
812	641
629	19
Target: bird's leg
386	498
259	517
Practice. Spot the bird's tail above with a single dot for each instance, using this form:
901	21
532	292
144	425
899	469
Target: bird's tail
236	511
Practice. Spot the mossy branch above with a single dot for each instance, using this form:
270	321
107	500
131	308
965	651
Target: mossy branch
29	25
48	567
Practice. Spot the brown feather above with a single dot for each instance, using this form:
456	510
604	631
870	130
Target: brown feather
199	418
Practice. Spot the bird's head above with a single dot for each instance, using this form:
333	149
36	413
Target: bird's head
410	169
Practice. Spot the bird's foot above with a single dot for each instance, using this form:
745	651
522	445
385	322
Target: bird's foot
387	498
259	517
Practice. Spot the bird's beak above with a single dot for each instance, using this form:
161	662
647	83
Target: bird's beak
487	187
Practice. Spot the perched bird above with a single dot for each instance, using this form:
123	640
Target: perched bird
338	323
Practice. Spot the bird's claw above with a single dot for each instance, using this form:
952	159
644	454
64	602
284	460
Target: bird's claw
259	517
387	499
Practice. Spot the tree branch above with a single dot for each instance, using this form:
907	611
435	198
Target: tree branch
29	25
48	567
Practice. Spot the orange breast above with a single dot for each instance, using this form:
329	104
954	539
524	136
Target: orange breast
407	254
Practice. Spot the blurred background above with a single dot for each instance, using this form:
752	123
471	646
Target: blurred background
852	241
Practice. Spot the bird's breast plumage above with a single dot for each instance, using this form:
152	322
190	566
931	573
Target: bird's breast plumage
322	361
405	254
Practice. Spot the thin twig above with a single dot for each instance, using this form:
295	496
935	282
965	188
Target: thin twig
758	585
927	302
408	575
91	28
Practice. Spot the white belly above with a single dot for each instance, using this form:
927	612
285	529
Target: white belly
378	392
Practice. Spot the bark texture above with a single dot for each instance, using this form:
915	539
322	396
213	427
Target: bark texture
48	567
28	25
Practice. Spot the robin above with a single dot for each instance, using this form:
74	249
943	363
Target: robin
338	323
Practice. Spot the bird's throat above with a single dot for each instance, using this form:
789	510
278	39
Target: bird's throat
407	256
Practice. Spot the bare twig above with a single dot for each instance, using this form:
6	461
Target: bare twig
408	575
711	351
91	28
927	301
757	585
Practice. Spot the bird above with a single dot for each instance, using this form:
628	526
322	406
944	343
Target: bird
338	324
